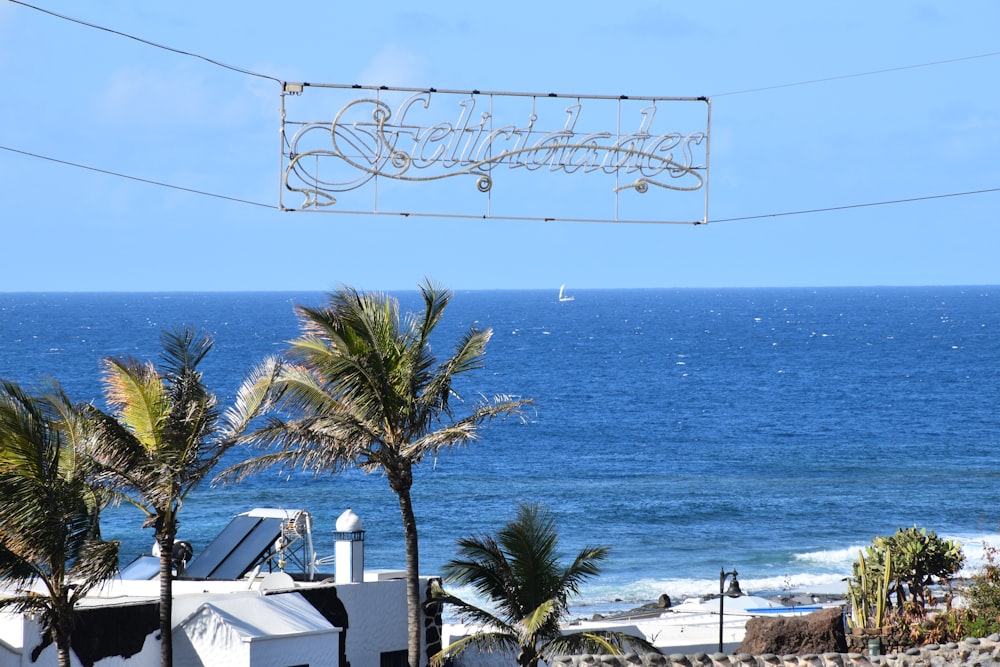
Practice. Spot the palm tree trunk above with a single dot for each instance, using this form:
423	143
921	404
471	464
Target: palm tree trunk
414	625
166	541
61	630
63	636
62	652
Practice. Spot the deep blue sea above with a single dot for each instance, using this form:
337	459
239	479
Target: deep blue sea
775	431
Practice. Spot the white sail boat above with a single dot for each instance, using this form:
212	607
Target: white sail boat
562	293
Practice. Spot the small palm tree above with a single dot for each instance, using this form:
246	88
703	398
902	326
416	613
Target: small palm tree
163	436
49	512
518	570
364	390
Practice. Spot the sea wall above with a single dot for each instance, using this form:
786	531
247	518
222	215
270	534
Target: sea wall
978	652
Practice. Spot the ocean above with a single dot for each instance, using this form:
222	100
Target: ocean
771	431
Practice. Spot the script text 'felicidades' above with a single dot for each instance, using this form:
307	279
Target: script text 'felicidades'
367	139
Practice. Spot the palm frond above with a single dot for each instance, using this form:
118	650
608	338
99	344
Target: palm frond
27	604
16	569
532	542
585	566
483	565
238	472
436	299
468	352
256	395
494	635
469	612
183	349
598	642
540	622
356	349
136	391
74	428
518	570
467	356
22	426
303	390
122	460
484	641
96	562
49	510
465	430
313	444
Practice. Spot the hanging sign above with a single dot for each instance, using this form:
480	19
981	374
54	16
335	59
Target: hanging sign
473	154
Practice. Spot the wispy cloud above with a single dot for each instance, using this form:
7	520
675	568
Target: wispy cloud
395	66
178	97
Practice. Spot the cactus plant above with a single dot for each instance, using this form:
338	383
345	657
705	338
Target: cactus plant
869	587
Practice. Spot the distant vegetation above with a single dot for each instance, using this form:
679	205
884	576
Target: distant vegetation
902	588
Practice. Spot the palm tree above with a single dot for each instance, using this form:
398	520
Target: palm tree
163	435
518	570
49	512
363	389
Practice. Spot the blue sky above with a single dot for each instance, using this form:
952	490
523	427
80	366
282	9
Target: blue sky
814	106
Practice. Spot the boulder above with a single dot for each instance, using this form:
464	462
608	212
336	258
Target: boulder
819	632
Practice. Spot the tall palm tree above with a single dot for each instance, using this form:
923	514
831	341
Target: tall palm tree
363	389
518	570
163	435
49	512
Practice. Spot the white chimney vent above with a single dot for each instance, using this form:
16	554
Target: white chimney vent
349	550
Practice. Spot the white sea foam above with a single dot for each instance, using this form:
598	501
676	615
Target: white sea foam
603	596
840	559
975	548
826	574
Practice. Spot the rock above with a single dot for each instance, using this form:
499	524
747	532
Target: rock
819	632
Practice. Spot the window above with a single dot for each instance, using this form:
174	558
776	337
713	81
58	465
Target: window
393	659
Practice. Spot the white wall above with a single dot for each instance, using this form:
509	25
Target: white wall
377	624
317	650
11	639
149	655
377	615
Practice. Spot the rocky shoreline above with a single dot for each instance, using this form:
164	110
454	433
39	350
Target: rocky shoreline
969	652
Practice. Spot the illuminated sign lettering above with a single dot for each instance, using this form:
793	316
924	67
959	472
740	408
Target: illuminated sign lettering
498	155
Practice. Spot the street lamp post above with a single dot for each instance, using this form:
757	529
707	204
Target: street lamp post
733	592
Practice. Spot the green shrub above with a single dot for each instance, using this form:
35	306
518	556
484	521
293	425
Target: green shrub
983	595
940	622
907	563
919	559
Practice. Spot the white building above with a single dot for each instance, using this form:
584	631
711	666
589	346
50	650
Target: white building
236	609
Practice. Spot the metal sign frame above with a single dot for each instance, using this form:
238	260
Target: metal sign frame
494	155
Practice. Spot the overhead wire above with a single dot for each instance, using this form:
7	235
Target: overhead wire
147	42
731	93
856	75
865	205
136	178
735	219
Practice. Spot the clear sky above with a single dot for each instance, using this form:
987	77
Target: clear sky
815	105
